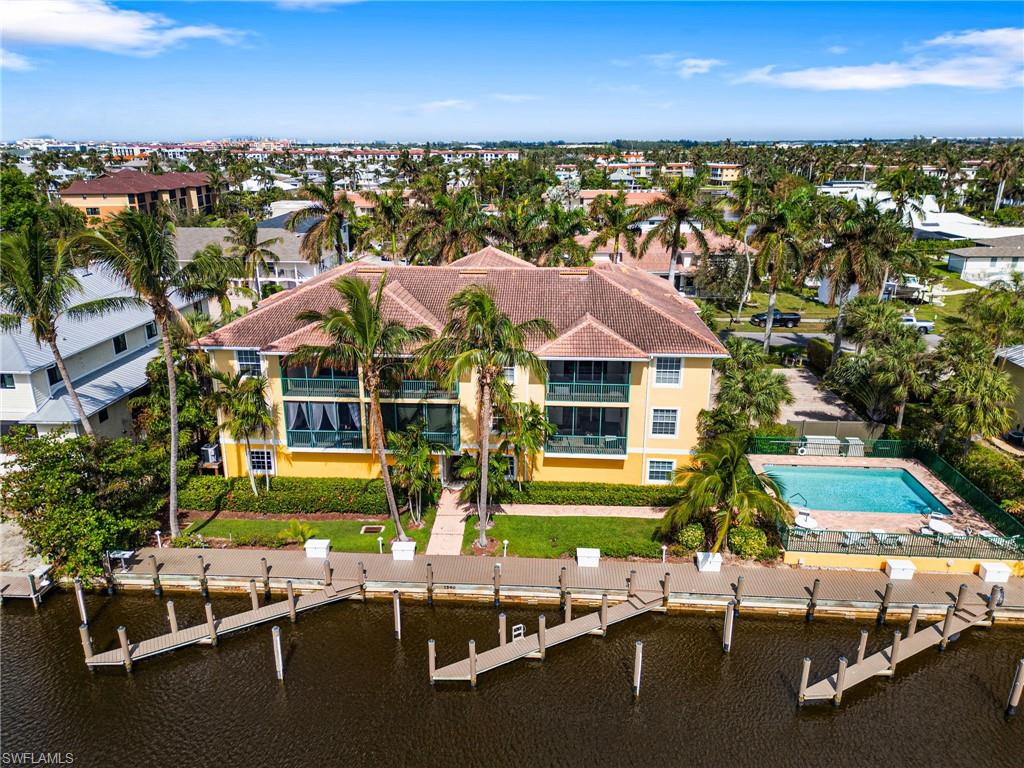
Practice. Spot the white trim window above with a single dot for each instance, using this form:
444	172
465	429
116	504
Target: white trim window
668	371
510	374
664	422
248	362
120	344
660	470
261	461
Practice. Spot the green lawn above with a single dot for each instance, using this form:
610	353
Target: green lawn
557	536
344	534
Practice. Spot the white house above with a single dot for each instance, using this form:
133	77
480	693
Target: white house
988	260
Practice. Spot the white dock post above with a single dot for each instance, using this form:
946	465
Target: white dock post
211	624
472	663
805	677
568	607
253	597
638	660
666	589
172	617
897	635
812	604
730	617
739	593
540	635
126	649
912	626
265	570
159	541
502	632
1013	702
291	600
863	647
664	553
431	660
947	628
275	633
961	597
83	630
83	614
840	681
396	602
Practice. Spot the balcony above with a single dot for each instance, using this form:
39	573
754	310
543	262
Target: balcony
320	387
450	439
586	445
587	392
420	390
324	438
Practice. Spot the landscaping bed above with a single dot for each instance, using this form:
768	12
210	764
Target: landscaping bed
593	494
287	496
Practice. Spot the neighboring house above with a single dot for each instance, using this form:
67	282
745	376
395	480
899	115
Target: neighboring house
106	358
988	260
587	197
1012	359
724	174
111	193
628	372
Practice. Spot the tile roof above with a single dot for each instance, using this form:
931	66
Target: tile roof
614	305
492	258
590	339
632	198
123	182
658	255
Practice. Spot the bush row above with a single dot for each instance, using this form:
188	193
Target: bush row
601	494
287	496
1000	476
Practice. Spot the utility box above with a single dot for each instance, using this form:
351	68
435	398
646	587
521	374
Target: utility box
994	573
318	548
709	562
403	550
900	570
587	557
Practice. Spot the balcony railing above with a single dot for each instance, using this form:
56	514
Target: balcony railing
451	439
314	387
419	390
572	445
324	438
587	392
985	547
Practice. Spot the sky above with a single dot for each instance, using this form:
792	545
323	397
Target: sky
328	70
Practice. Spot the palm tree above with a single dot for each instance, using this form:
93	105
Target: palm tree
446	230
517	225
413	471
242	399
558	242
255	254
999	313
616	220
481	339
685	203
37	287
361	336
214	272
976	400
871	321
524	429
332	212
900	367
721	482
139	248
950	164
907	186
1004	166
387	219
748	388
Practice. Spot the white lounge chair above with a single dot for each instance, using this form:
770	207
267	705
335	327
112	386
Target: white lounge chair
853	539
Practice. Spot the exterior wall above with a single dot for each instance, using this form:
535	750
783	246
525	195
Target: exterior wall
877	562
118	423
1017	376
108	204
20	401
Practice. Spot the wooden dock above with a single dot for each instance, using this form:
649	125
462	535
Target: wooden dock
530	645
28	586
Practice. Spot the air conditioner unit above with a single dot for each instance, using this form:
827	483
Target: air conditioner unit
211	453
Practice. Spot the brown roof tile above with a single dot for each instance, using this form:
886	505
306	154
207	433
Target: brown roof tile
658	255
123	182
591	339
491	258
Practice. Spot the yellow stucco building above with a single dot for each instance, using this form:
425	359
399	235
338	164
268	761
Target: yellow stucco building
627	373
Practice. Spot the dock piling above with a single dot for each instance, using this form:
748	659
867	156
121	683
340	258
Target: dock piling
497	585
154	570
265	570
638	660
108	573
502	629
912	626
126	649
568	607
431	659
961	597
252	594
604	613
430	584
172	616
666	589
730	617
993	603
275	633
203	586
540	636
291	600
211	624
862	649
805	677
812	604
83	614
896	637
739	593
561	587
397	604
1013	702
32	593
472	663
362	579
83	630
947	627
631	584
883	609
327	572
840	681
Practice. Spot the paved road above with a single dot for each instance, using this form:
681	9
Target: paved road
783	337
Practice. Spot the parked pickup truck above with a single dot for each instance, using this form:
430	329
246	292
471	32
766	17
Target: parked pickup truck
779	319
921	326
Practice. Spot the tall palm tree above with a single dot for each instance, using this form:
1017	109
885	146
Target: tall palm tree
616	220
524	429
38	287
361	336
214	272
446	230
685	203
999	313
332	211
139	248
901	367
1003	166
243	401
748	388
517	225
413	470
721	482
977	400
481	339
387	219
907	186
558	244
950	166
255	254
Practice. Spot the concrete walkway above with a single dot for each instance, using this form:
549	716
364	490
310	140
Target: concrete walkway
449	525
580	510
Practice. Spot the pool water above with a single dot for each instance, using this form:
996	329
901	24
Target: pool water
855	489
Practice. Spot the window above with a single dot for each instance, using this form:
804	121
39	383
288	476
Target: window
6	381
510	374
53	375
660	470
150	330
120	344
663	421
102	416
248	362
668	370
92	211
261	462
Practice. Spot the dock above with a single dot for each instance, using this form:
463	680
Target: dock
27	586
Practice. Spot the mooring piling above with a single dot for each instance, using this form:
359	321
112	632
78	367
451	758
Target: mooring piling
431	660
961	597
631	584
1013	702
172	616
739	593
472	663
265	570
275	633
327	572
290	590
912	626
604	613
33	591
862	649
362	579
502	629
397	605
947	628
126	649
883	608
805	678
108	572
561	587
993	603
83	614
568	607
540	636
496	578
154	571
203	585
840	681
83	630
253	597
895	657
638	660
211	623
666	589
812	604
730	618
430	583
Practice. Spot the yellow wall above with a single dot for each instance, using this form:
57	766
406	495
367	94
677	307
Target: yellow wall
877	562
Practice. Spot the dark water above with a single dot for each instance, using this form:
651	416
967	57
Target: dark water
353	696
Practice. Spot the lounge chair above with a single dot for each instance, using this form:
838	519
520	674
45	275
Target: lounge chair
884	538
854	539
797	532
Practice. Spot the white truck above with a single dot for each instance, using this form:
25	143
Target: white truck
921	326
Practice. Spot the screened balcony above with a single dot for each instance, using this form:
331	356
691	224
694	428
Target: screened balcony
418	389
307	381
323	425
587	431
441	421
588	381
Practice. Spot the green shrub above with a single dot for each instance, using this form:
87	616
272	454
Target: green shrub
819	355
187	541
783	431
747	542
999	476
691	537
599	494
287	496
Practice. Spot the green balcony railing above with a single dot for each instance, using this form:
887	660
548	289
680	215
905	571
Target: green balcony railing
450	439
987	547
420	390
318	387
587	392
577	445
324	438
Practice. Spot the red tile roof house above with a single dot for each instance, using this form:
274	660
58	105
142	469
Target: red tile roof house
111	193
628	370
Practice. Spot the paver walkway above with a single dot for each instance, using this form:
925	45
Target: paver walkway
449	525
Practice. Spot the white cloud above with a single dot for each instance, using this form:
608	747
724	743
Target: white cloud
14	61
102	26
682	66
837	50
514	98
441	105
990	59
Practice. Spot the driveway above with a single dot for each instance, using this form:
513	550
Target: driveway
782	337
812	403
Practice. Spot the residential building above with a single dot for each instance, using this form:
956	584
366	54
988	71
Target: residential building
627	372
106	358
723	174
675	170
1012	360
636	199
111	193
988	260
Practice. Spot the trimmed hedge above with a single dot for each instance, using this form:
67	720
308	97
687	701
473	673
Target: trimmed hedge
1001	477
600	494
819	355
287	496
747	542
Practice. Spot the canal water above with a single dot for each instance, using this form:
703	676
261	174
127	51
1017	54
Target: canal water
354	696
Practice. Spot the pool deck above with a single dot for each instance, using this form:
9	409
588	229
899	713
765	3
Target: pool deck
962	515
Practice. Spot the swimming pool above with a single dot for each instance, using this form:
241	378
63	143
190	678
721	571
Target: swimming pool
855	489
